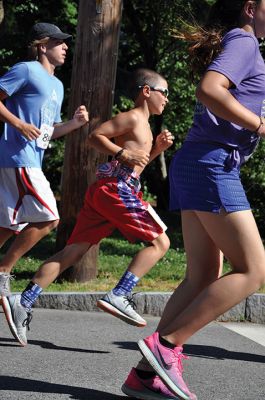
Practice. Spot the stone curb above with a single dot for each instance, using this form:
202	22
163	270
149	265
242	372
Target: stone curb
252	309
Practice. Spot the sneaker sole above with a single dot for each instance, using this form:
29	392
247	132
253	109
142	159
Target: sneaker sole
107	307
9	318
144	396
147	353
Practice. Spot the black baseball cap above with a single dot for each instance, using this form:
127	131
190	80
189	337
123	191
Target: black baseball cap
44	29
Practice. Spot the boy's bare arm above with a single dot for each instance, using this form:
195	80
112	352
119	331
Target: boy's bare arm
163	141
29	131
119	128
79	119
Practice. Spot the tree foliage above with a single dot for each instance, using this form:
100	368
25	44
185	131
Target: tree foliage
145	40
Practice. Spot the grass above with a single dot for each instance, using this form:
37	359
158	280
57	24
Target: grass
114	255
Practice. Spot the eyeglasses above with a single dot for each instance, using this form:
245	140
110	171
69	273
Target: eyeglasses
163	91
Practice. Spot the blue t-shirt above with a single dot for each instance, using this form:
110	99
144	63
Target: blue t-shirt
35	97
241	62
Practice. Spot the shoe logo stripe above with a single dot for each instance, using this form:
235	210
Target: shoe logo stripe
164	364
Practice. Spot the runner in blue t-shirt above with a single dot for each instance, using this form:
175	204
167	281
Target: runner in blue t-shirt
205	185
30	105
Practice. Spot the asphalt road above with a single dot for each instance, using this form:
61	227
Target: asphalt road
87	356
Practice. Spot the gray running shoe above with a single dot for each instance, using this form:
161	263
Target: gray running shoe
5	284
18	318
122	307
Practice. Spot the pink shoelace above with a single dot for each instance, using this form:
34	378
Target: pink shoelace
177	357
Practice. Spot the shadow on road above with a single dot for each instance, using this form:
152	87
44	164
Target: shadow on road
219	353
127	345
48	345
33	386
213	352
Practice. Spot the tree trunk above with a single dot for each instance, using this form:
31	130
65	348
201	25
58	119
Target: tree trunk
2	13
93	81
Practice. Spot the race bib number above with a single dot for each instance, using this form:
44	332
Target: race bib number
46	134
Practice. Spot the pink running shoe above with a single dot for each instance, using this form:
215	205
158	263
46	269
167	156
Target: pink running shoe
146	389
167	363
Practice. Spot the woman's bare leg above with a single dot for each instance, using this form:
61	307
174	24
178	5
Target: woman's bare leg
204	265
236	234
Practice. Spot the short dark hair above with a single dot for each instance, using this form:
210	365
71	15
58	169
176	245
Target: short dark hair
141	77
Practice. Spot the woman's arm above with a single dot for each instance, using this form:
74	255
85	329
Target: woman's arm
213	92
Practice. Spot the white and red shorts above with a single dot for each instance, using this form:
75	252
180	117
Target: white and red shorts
115	202
25	197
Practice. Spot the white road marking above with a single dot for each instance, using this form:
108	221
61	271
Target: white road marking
255	332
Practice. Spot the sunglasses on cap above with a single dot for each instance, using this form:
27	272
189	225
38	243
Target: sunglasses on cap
162	90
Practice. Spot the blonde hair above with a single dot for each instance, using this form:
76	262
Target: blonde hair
33	48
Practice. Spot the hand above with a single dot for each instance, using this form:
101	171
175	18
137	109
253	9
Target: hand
164	140
134	158
81	116
29	131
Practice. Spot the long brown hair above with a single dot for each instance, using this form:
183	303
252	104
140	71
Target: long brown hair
205	42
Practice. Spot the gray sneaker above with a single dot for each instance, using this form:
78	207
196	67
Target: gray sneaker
18	318
122	307
5	284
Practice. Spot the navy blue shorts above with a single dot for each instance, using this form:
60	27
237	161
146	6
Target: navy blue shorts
200	180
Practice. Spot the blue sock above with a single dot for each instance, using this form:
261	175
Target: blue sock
30	295
126	284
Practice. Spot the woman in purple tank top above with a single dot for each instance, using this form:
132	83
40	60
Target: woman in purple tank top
205	185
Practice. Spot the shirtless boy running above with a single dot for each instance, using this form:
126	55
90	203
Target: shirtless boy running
114	201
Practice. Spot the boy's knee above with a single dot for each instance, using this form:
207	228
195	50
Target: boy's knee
53	224
164	244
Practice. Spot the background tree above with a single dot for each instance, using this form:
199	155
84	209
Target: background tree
145	40
93	82
1	12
